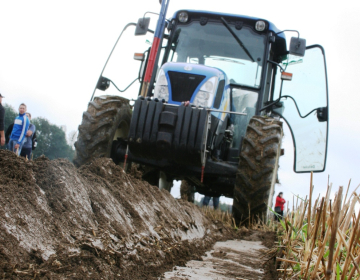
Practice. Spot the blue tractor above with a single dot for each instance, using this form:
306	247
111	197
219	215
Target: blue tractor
213	92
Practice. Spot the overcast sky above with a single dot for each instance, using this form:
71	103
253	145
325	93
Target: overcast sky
52	53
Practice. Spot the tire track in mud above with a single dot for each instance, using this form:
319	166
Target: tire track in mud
231	259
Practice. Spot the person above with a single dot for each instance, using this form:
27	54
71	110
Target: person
279	206
2	122
215	201
21	125
8	133
27	147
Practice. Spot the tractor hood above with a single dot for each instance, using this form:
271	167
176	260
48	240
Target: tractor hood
199	84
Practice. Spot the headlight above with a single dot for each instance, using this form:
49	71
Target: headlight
205	96
161	88
260	25
183	17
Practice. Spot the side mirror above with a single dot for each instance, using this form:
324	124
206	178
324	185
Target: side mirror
322	114
297	46
142	26
103	83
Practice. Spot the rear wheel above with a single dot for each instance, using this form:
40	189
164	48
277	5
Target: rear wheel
106	120
257	171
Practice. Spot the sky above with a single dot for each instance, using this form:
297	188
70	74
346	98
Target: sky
52	53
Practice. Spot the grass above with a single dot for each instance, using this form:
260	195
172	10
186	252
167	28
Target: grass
319	238
227	219
217	215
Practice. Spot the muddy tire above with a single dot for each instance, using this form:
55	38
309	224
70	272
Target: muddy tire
106	119
257	170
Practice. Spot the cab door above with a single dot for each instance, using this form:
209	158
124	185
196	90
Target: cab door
305	108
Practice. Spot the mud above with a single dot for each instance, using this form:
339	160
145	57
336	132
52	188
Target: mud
231	259
95	222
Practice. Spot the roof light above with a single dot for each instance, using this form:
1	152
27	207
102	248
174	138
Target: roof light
183	17
260	25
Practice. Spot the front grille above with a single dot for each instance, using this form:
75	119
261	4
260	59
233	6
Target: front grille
183	85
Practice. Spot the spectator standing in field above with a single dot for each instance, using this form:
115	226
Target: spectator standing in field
215	201
8	133
279	206
27	147
2	122
21	125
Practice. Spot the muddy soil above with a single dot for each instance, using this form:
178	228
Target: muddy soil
230	260
95	222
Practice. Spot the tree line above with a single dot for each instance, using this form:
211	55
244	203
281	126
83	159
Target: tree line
51	139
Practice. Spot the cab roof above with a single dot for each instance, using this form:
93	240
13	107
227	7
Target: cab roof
272	26
280	44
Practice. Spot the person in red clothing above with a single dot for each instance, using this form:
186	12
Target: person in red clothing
279	206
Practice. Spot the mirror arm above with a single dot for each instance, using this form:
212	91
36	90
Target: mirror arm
150	13
289	30
297	108
277	64
126	26
126	87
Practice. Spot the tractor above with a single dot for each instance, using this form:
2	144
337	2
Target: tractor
207	105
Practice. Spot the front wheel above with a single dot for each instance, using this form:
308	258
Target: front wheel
106	120
186	191
257	170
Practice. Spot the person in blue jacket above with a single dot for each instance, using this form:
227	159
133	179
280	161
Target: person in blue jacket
21	125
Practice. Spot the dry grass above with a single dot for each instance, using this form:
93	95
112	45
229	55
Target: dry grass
217	215
319	238
227	219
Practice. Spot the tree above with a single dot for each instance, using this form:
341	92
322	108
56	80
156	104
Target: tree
10	115
51	140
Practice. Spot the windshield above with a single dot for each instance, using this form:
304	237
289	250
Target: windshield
213	45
